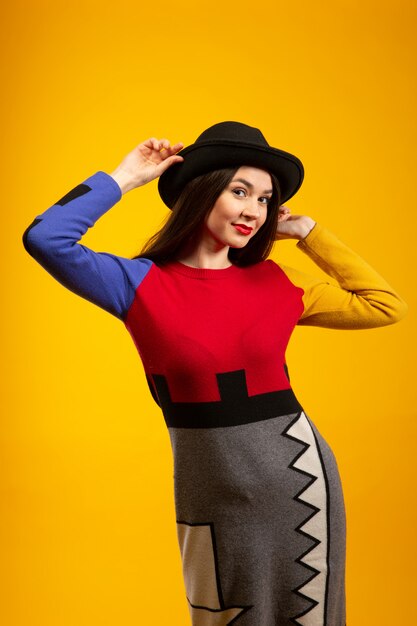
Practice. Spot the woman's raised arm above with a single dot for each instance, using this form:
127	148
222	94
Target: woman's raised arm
362	298
107	280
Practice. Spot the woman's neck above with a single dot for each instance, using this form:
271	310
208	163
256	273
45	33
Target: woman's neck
206	259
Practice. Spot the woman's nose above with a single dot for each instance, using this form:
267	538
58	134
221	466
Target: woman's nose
252	209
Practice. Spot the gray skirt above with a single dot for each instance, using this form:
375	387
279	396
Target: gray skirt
261	522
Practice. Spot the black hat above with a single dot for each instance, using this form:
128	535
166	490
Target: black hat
229	144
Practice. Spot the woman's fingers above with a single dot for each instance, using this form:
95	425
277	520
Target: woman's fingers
171	151
151	143
163	146
178	146
284	213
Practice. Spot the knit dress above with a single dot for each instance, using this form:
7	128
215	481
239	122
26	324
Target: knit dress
259	503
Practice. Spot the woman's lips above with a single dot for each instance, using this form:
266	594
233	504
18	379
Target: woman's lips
244	230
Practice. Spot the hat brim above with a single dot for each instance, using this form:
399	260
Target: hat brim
215	155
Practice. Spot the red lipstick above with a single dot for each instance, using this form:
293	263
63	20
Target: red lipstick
244	230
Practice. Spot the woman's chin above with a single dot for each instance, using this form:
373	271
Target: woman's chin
237	245
240	243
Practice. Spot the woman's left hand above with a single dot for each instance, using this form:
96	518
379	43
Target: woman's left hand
293	226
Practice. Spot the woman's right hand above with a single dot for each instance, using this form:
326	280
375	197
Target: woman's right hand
147	161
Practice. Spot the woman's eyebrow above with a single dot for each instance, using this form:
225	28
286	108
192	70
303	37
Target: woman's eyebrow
246	182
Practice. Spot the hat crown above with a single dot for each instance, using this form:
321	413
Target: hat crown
234	132
230	144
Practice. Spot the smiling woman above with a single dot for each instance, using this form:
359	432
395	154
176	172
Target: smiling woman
258	496
200	231
236	216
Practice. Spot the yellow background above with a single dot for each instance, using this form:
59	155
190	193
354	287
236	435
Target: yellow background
88	535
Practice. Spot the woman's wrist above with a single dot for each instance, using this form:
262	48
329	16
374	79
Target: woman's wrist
306	226
123	179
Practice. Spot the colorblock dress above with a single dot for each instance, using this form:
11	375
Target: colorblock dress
259	503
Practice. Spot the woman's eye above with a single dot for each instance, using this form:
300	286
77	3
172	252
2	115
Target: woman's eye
265	199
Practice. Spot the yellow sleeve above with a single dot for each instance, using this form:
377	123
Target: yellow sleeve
362	298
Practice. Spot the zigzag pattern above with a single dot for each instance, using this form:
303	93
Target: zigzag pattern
307	457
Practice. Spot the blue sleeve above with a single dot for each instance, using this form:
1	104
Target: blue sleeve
107	280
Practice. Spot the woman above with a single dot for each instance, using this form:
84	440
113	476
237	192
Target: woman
259	503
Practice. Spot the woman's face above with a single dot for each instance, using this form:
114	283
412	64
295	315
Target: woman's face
240	210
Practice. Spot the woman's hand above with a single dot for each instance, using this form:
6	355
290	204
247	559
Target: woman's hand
293	226
147	161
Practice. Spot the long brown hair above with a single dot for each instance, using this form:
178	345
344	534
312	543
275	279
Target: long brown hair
185	222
